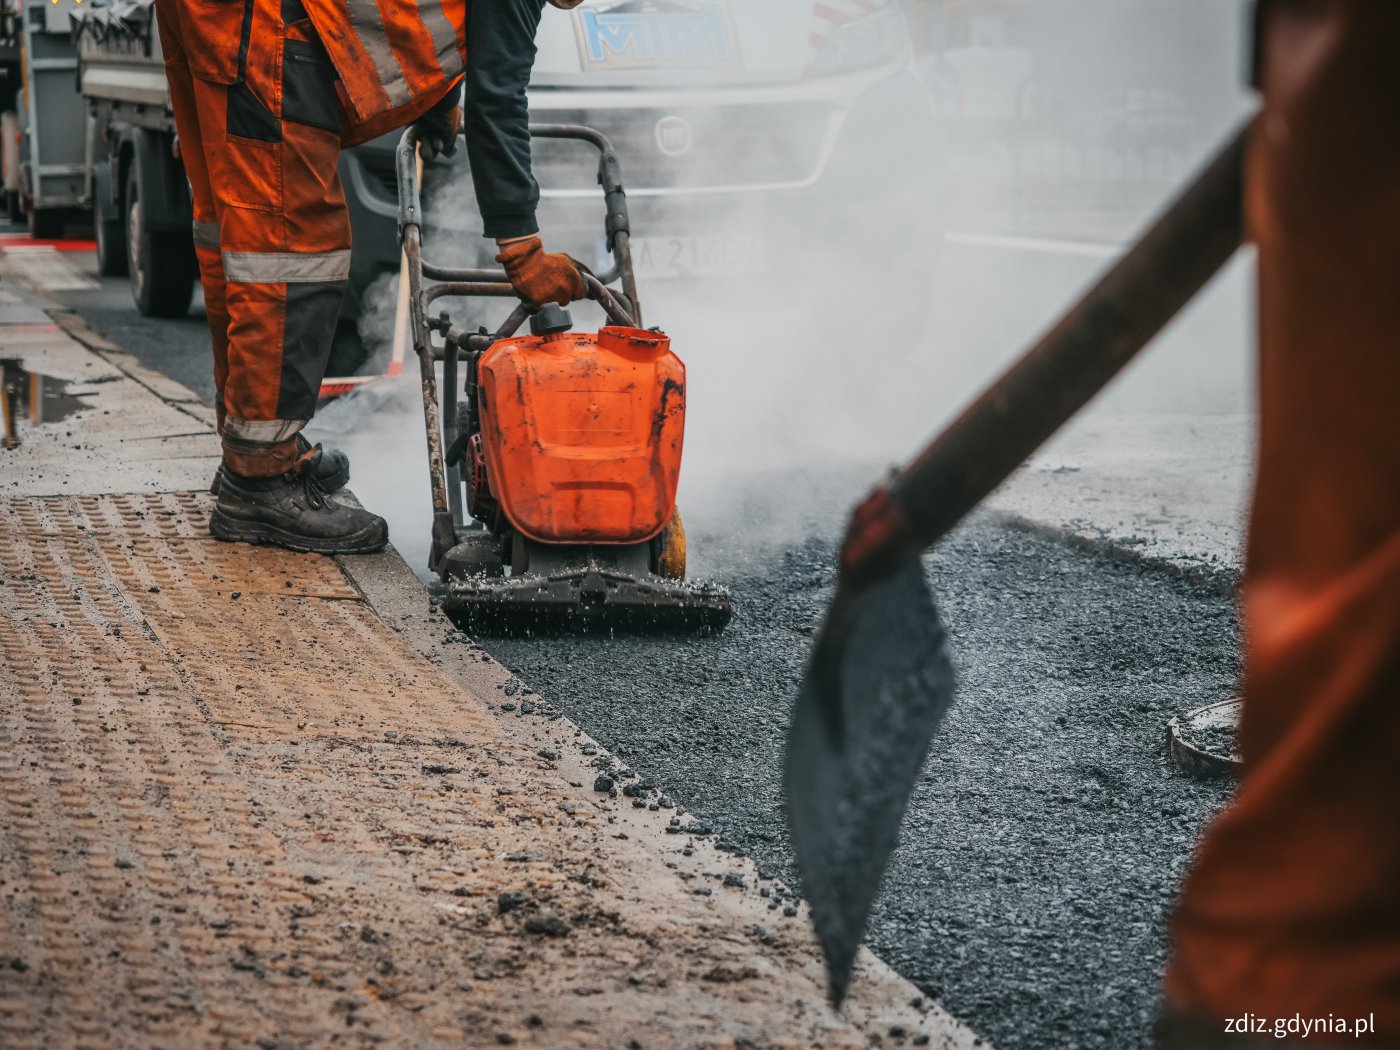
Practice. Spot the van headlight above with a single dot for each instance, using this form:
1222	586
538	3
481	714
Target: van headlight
870	40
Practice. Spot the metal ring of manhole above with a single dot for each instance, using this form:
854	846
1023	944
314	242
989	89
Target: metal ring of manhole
1202	742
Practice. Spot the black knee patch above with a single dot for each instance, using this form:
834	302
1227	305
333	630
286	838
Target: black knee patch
248	118
312	311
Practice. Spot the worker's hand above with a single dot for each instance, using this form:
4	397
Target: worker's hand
539	277
441	126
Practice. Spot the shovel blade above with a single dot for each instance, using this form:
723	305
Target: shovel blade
879	682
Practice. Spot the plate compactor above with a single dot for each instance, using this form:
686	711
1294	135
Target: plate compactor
554	465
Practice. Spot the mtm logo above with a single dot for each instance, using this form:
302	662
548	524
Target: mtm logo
653	34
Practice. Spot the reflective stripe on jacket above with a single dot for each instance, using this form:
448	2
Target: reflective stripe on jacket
395	57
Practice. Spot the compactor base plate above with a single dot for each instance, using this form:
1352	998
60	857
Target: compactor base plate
590	600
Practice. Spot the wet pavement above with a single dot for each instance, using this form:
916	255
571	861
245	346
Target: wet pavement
30	398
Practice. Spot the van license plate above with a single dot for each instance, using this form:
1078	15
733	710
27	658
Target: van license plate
699	255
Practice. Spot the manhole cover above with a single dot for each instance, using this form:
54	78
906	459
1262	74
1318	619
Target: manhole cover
1203	742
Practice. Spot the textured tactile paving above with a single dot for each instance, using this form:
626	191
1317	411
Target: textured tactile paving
236	809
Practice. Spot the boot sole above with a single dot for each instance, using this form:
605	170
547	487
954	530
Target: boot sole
233	530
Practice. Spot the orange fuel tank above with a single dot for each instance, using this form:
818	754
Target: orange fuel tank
582	433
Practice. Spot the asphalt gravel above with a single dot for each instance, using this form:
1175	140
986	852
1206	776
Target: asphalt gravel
1049	829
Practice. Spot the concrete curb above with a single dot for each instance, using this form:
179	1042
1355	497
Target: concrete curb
162	386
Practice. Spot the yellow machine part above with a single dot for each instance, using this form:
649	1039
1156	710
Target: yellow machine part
670	549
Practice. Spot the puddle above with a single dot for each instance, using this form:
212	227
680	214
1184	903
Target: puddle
31	397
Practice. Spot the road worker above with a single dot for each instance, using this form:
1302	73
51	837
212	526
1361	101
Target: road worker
266	93
1291	912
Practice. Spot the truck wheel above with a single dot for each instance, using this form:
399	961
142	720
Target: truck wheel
109	230
110	235
47	224
161	266
12	206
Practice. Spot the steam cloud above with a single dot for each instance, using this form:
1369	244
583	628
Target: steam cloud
1046	130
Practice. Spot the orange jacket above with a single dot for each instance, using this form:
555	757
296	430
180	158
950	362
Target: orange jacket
395	57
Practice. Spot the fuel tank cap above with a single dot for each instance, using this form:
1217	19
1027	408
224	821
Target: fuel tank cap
551	320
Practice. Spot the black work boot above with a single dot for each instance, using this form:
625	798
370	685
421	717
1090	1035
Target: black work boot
330	465
294	511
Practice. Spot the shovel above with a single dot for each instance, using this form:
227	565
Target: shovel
880	677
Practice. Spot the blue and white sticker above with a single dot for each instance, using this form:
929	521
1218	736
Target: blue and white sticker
655	34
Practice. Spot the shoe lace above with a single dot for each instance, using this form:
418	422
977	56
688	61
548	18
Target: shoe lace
316	495
305	470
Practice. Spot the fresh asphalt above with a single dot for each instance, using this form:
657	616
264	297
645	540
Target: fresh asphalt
1049	830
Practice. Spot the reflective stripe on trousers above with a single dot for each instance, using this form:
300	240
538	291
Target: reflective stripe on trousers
262	431
287	267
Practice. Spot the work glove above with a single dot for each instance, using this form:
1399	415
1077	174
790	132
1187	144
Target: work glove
440	127
539	277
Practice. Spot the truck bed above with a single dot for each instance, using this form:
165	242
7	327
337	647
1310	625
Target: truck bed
121	59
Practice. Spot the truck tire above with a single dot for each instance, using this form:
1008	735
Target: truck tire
12	206
161	266
47	224
108	225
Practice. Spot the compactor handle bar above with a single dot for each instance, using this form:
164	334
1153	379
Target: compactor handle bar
597	291
489	282
447	498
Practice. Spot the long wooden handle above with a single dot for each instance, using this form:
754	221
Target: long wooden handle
1090	345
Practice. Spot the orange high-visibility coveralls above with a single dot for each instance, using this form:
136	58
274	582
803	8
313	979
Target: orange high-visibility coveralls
1293	904
265	92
